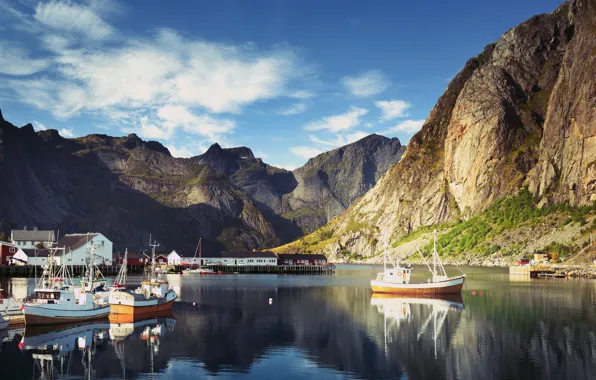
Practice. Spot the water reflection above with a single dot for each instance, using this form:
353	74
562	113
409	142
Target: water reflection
338	329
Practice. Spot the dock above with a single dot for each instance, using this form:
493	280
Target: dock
31	270
532	271
270	269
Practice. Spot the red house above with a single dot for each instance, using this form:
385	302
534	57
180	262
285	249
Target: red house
139	259
160	259
7	250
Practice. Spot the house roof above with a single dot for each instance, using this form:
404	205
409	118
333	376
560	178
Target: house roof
135	256
247	254
32	252
7	243
301	256
74	241
26	235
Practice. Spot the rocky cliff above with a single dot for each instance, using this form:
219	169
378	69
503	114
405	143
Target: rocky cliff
126	188
521	113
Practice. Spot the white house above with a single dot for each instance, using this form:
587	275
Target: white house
35	257
77	248
174	258
241	258
30	238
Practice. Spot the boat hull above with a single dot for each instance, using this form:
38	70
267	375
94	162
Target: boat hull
143	307
450	286
37	315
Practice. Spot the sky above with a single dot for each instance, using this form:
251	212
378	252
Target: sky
288	79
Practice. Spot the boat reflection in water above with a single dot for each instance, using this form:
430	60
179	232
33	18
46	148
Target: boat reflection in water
397	310
56	350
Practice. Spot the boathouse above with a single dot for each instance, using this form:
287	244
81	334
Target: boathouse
134	259
76	248
174	258
301	259
7	251
30	238
160	259
34	257
252	258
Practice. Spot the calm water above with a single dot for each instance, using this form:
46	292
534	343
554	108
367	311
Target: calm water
327	327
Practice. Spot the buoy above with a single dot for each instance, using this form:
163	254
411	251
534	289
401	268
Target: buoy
480	293
194	304
270	301
474	293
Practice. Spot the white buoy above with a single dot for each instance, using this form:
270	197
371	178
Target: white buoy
194	304
270	301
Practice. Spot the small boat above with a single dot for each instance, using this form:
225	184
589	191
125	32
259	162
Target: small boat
200	269
56	300
3	321
11	309
153	295
397	279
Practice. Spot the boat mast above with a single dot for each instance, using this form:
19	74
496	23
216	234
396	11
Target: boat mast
200	254
435	254
152	244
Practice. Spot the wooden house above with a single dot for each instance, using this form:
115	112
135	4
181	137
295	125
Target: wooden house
301	259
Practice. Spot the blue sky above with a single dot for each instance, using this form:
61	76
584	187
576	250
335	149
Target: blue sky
289	79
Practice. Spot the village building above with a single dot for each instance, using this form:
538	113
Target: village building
135	259
160	259
34	257
7	251
240	258
301	259
31	238
174	258
76	248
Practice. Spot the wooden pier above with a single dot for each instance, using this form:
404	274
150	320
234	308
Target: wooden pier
269	269
532	271
32	271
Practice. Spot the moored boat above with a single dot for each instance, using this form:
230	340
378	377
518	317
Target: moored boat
200	269
55	300
151	297
396	280
11	309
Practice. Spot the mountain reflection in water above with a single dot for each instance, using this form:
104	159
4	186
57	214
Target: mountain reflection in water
328	326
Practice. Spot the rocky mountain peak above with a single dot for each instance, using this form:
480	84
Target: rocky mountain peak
1	117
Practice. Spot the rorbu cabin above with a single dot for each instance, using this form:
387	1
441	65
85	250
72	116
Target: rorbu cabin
301	259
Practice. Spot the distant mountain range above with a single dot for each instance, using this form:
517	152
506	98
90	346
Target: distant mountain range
127	188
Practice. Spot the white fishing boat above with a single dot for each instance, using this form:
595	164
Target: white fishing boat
3	321
11	309
151	297
396	280
199	269
56	300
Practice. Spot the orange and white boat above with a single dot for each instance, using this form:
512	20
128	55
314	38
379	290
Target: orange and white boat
396	280
153	296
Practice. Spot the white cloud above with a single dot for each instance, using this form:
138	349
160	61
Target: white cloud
73	18
186	151
55	43
341	140
167	70
407	126
261	154
302	94
289	167
305	151
68	133
179	116
38	126
392	109
294	109
341	122
15	60
365	85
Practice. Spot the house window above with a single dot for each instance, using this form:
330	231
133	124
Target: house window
12	250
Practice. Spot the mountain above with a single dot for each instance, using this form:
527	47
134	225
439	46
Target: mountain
520	115
127	188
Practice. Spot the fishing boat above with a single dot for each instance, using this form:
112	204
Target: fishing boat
397	279
152	296
11	309
56	300
200	269
3	321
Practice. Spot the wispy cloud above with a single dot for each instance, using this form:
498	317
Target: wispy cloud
15	60
68	133
39	126
392	109
340	140
261	154
341	122
294	109
305	151
408	127
365	85
73	18
302	94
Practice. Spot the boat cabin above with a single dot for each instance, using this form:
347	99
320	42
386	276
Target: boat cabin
398	274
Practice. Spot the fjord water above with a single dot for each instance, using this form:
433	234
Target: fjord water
332	327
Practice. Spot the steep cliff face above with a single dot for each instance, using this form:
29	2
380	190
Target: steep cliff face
520	113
